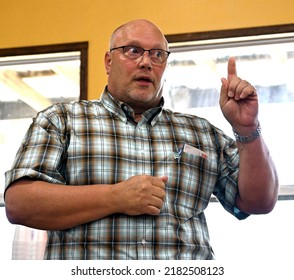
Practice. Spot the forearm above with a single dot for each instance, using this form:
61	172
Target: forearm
258	181
47	206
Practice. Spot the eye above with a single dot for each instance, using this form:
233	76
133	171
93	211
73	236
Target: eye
133	50
157	53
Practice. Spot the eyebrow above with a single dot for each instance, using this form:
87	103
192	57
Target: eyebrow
138	44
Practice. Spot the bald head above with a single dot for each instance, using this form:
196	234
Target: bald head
144	26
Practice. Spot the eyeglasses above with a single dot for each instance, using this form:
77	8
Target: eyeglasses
157	56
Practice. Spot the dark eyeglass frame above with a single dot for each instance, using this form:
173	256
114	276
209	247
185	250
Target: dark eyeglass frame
141	52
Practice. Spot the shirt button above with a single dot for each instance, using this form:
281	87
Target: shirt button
144	242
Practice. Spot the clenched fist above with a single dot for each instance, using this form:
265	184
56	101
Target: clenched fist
141	194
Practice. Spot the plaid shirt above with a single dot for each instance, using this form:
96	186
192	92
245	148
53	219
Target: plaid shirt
97	142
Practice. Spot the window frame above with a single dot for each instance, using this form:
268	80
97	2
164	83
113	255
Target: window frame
81	47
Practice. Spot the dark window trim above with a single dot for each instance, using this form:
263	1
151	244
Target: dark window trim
82	47
230	33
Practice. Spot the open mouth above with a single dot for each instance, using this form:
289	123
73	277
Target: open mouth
144	79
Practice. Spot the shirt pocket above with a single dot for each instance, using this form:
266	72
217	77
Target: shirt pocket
188	187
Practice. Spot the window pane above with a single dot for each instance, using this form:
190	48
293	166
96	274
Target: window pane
258	238
28	84
193	84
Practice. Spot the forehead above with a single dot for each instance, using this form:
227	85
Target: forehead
140	34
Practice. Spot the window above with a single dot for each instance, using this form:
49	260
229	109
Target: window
31	79
263	58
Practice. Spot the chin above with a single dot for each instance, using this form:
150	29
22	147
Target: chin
142	95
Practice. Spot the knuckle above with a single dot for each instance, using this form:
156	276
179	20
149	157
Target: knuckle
154	211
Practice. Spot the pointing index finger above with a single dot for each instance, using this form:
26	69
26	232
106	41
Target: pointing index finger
232	69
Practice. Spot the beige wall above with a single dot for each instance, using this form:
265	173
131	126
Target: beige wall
42	22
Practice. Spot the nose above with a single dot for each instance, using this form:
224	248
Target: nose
145	61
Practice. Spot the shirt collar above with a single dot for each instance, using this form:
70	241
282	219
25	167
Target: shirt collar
125	112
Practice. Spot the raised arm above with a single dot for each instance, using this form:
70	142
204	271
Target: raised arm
258	181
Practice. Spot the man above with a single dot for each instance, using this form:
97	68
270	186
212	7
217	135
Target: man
123	178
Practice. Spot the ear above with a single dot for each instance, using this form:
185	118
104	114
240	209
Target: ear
107	62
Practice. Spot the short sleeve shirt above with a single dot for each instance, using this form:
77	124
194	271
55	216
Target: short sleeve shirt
98	142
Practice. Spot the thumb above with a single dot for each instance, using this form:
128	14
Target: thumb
225	84
164	178
224	92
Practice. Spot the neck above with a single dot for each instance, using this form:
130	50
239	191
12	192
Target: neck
137	118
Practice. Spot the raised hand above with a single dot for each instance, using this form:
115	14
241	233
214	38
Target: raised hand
239	101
